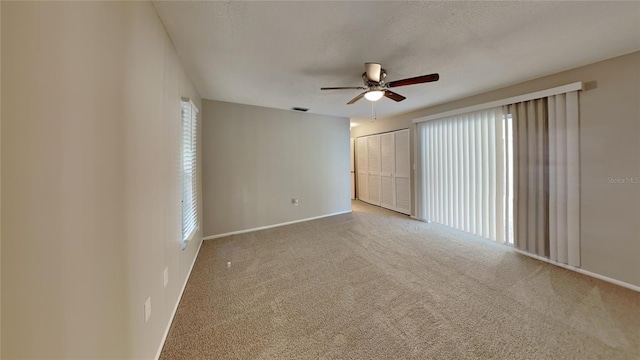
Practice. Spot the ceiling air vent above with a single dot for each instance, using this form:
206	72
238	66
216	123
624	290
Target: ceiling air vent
299	109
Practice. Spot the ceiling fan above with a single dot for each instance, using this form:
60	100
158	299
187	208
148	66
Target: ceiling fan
376	87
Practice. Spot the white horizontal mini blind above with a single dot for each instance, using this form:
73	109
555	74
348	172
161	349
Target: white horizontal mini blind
461	175
189	178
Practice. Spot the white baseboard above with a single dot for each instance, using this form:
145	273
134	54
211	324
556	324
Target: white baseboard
175	308
581	271
211	237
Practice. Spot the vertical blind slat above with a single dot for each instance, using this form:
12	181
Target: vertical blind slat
485	177
501	193
561	178
494	196
553	193
452	174
478	175
467	168
457	168
530	118
434	172
441	217
573	179
472	175
523	179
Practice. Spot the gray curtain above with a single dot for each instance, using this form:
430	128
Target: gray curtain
530	176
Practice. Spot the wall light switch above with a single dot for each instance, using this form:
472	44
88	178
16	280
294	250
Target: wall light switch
147	309
166	276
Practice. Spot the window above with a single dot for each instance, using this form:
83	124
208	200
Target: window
189	171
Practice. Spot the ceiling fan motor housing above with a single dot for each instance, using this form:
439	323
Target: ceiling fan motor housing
369	83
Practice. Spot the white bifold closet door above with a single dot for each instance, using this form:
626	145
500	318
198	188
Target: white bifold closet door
373	152
363	170
402	172
384	170
387	165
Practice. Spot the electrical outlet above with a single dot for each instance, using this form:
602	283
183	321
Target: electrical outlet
166	276
295	201
147	309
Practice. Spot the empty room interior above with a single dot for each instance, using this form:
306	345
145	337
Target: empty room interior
320	180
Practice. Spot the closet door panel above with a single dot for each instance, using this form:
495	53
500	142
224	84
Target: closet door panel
363	169
374	189
401	177
363	187
402	157
387	164
373	153
387	192
403	195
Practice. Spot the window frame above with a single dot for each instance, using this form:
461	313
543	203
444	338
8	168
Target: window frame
188	171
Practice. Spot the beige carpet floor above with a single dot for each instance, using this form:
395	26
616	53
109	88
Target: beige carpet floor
375	284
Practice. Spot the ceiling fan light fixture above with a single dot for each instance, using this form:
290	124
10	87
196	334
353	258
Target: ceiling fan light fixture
374	95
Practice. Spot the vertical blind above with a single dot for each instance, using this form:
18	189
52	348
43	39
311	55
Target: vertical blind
461	173
547	189
565	183
189	178
531	174
509	172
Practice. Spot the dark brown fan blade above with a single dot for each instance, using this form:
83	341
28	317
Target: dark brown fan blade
344	88
394	96
414	80
356	99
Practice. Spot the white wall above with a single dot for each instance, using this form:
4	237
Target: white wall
609	147
91	178
257	159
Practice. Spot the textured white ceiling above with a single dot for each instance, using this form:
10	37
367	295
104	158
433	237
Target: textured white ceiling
279	54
